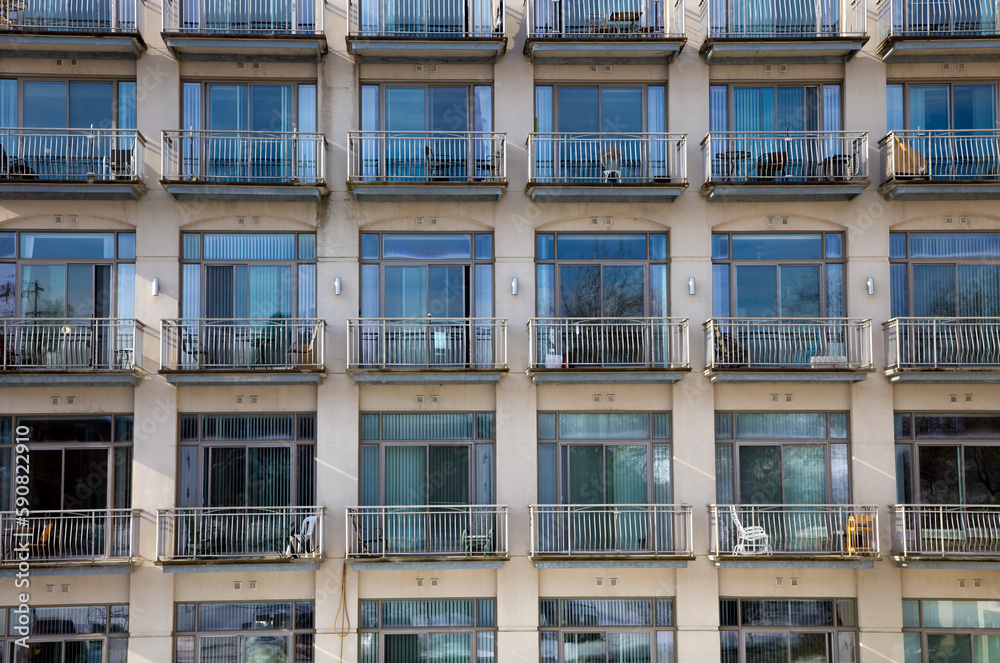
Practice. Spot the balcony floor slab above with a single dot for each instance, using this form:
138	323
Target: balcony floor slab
926	190
265	193
225	378
604	193
780	50
612	376
71	45
421	49
425	565
425	376
932	48
970	563
750	376
781	192
420	192
76	379
625	51
267	48
237	566
24	189
957	376
88	568
728	562
674	563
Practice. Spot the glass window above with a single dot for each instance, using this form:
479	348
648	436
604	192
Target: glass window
606	630
276	632
757	630
453	630
952	631
66	633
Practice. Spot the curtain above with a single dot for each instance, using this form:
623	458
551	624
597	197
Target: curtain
626	482
604	425
780	425
978	290
427	426
766	647
405	475
934	291
431	612
368	479
249	246
629	648
270	291
804	472
450	647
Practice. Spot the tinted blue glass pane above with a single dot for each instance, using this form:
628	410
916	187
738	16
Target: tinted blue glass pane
780	425
974	107
484	247
720	247
546	247
835	245
427	426
126	105
307	247
426	246
601	247
44	104
369	247
485	612
245	246
720	291
67	246
547	474
603	425
911	613
723	425
897	245
126	246
894	107
546	426
657	247
90	104
661	425
898	293
484	425
955	245
192	246
368	614
7	245
778	247
664	612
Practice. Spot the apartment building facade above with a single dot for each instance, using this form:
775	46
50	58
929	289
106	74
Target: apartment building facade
564	330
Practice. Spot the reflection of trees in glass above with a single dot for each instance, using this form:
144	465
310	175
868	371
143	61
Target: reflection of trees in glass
800	291
37	304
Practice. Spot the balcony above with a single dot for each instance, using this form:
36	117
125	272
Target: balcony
611	531
775	350
427	351
455	30
792	32
925	31
790	166
240	351
837	532
90	538
283	30
602	31
77	351
418	166
71	29
923	533
71	164
942	350
467	533
941	165
260	166
606	167
205	535
607	350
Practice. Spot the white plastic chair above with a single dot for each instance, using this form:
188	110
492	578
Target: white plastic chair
749	537
305	542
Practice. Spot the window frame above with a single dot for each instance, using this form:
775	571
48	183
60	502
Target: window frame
555	87
821	111
905	85
833	630
378	632
8	648
116	92
203	106
470	100
653	629
292	634
923	631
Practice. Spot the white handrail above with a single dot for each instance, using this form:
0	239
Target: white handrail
611	530
268	157
804	530
427	156
70	344
812	343
936	343
234	532
620	158
432	343
458	530
625	343
192	344
771	157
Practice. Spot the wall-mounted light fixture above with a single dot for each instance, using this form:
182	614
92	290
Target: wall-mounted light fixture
513	286
156	287
870	284
336	286
691	286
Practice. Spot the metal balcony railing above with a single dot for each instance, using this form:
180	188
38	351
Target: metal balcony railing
244	157
607	158
788	343
605	19
478	530
421	156
432	343
70	344
433	19
611	530
749	19
95	155
927	18
194	344
943	530
619	343
271	532
801	530
244	17
971	155
932	343
69	536
41	16
769	157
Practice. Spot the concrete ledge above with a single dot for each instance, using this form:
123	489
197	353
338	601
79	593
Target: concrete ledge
74	569
604	193
427	376
931	190
678	563
418	192
422	49
773	192
25	189
794	563
612	50
924	48
399	565
571	376
95	379
72	45
750	376
258	377
268	48
288	193
970	563
771	50
219	566
945	377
